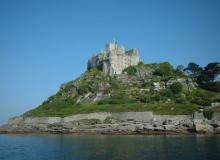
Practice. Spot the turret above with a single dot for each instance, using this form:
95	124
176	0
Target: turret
132	52
111	46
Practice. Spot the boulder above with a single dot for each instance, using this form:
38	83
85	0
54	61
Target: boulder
217	130
203	128
215	104
148	127
102	86
169	127
158	86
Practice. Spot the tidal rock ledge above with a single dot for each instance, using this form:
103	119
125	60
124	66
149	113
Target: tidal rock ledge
114	123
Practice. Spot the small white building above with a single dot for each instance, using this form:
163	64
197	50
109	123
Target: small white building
113	59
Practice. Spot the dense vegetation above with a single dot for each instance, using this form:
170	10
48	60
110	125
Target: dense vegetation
205	77
146	87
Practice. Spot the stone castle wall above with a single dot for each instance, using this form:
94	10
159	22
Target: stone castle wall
114	59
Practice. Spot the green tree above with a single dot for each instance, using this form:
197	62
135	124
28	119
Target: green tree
209	74
164	69
176	87
194	70
180	69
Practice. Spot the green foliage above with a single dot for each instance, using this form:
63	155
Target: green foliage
206	76
215	109
144	99
125	96
194	70
94	71
114	83
202	97
176	87
167	93
212	86
119	100
70	109
180	71
211	71
131	70
180	98
83	89
164	69
140	63
146	84
208	114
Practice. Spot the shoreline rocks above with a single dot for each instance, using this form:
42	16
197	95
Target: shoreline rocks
114	123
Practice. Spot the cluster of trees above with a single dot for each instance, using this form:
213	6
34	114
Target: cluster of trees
206	77
164	69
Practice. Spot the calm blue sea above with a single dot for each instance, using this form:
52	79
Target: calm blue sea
99	147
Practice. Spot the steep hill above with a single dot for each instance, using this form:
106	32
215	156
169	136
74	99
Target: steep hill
156	87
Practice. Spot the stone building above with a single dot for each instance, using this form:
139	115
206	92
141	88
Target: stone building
113	59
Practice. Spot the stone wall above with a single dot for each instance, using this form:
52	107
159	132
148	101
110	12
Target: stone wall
216	116
147	117
172	118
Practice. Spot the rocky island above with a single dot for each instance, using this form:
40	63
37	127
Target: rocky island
119	94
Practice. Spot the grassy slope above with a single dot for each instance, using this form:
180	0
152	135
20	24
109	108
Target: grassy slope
64	103
171	109
215	109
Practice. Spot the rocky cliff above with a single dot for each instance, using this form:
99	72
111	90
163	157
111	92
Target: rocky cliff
115	123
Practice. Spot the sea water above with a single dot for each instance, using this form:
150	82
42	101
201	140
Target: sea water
105	147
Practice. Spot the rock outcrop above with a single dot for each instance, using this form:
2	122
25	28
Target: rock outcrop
113	123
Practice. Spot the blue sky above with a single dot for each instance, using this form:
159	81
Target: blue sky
44	43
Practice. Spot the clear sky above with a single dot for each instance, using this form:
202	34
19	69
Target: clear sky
44	43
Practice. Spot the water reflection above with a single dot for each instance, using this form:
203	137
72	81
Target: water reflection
187	147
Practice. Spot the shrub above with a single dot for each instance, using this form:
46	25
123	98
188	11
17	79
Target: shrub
114	100
180	98
140	63
113	83
202	97
201	101
179	70
155	98
82	89
176	87
144	99
158	72
164	69
212	86
208	114
131	70
167	93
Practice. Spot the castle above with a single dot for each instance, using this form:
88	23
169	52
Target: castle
113	59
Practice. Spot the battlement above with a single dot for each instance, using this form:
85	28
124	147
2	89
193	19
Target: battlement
111	46
113	59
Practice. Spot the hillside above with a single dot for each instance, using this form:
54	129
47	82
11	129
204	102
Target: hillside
145	87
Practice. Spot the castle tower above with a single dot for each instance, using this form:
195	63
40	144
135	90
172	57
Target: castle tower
111	46
114	59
